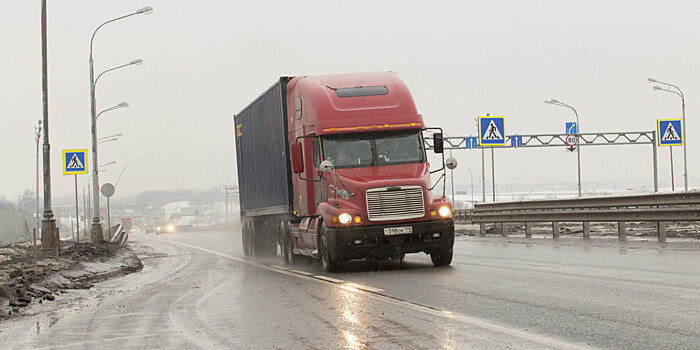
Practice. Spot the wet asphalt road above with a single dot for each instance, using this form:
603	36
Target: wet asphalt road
197	291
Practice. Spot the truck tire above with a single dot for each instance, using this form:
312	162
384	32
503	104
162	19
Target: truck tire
264	239
287	243
245	238
441	257
328	264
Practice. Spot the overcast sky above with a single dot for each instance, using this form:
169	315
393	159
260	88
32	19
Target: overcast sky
206	60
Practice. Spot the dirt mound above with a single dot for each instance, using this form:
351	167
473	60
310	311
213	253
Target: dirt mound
78	267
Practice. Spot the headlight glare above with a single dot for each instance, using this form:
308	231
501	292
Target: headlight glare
445	211
344	218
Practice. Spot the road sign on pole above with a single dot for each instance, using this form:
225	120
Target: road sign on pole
472	142
572	142
571	128
75	161
670	132
492	131
516	141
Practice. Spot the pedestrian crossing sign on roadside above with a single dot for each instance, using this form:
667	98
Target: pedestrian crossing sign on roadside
492	131
75	161
670	132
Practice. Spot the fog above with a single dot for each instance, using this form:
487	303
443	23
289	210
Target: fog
203	61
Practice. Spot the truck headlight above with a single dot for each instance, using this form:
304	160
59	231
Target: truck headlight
344	218
171	228
445	211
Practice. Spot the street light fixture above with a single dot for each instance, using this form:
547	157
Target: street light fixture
104	139
121	105
104	165
96	225
137	61
107	140
578	131
680	94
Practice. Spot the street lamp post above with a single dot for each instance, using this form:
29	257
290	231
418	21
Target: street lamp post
97	235
578	131
48	224
37	137
86	204
685	138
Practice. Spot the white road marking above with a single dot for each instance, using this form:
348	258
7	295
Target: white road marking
417	307
545	267
302	272
329	279
124	315
362	287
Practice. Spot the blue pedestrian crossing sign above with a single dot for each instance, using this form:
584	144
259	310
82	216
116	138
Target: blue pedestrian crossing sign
670	132
571	128
75	161
472	142
492	131
516	141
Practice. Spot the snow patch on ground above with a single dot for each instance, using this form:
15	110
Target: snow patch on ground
78	267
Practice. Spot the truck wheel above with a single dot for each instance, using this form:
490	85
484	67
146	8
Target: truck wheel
441	257
263	239
287	243
245	238
327	263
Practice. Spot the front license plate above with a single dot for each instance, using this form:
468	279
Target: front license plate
398	230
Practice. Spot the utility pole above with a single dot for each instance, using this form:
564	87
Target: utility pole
37	133
48	239
483	167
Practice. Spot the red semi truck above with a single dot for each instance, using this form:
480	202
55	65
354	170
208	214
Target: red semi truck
335	167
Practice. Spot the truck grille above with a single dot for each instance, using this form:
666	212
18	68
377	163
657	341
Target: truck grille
395	203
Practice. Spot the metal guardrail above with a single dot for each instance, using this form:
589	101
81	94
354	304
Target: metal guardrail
120	236
660	208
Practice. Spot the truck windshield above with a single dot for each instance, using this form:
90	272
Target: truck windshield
374	148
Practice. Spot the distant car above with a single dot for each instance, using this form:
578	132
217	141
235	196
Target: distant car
165	228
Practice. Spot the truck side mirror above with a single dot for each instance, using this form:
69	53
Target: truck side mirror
297	158
326	166
438	146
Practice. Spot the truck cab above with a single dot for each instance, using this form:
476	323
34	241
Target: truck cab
362	185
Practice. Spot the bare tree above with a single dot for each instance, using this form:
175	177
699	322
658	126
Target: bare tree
27	201
6	204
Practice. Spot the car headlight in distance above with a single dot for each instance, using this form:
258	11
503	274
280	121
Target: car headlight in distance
445	211
171	228
158	228
344	218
